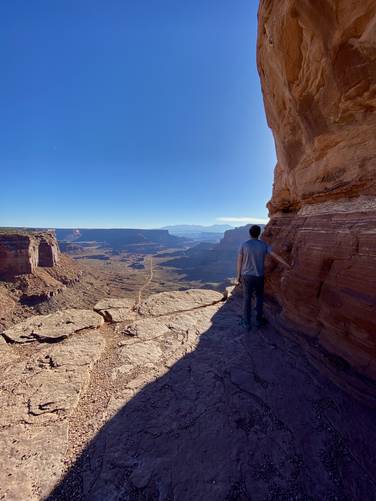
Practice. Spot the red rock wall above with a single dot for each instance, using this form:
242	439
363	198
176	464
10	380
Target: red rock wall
48	250
18	254
317	65
22	253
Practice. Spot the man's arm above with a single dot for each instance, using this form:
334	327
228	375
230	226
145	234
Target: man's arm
239	266
279	259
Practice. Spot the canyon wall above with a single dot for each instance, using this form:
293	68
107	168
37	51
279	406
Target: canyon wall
118	238
317	65
22	252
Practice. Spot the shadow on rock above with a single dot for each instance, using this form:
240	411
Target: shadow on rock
241	417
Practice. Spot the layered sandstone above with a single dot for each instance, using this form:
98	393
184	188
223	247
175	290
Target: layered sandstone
22	252
317	64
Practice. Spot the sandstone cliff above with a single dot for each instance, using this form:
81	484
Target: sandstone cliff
22	252
31	271
317	64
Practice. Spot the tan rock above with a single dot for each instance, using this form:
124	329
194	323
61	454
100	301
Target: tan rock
165	303
53	327
31	460
7	304
116	309
140	354
37	395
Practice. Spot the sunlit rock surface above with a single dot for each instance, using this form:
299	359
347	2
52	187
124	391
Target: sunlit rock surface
165	303
115	309
38	394
318	72
53	327
180	403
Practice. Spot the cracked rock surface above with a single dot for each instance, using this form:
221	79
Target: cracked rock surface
39	391
53	327
182	406
165	303
197	408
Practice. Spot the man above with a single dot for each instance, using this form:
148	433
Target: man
250	272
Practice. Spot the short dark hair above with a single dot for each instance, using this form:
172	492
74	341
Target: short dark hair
255	231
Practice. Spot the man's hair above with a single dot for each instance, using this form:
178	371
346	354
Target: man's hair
255	231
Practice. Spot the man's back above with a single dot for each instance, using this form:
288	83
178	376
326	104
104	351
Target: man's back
254	252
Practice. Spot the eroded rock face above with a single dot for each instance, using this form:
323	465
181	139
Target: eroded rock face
317	67
21	253
48	250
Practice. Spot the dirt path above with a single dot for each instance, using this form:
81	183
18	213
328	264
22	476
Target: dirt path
194	408
146	284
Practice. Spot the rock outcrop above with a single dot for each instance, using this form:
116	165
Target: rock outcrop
22	252
232	239
167	303
32	270
53	327
317	67
115	309
180	400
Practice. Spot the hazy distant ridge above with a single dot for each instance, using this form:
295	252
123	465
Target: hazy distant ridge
184	229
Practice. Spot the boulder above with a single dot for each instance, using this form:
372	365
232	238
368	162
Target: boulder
115	309
53	327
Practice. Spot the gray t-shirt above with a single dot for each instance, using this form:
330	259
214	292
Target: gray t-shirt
254	252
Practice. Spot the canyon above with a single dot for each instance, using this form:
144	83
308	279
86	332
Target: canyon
126	373
118	239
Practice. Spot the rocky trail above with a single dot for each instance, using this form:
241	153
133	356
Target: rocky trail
147	283
174	401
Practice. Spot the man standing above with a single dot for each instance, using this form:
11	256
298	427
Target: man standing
250	272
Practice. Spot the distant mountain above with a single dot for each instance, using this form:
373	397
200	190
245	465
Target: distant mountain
199	233
211	261
187	229
233	238
119	238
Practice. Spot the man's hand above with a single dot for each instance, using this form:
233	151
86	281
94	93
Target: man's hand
281	260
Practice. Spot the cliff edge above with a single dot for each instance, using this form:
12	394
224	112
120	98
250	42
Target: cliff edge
317	65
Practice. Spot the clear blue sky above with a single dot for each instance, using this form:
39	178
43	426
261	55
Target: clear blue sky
131	113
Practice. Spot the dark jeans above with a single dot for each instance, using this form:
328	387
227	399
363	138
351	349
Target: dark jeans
252	284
